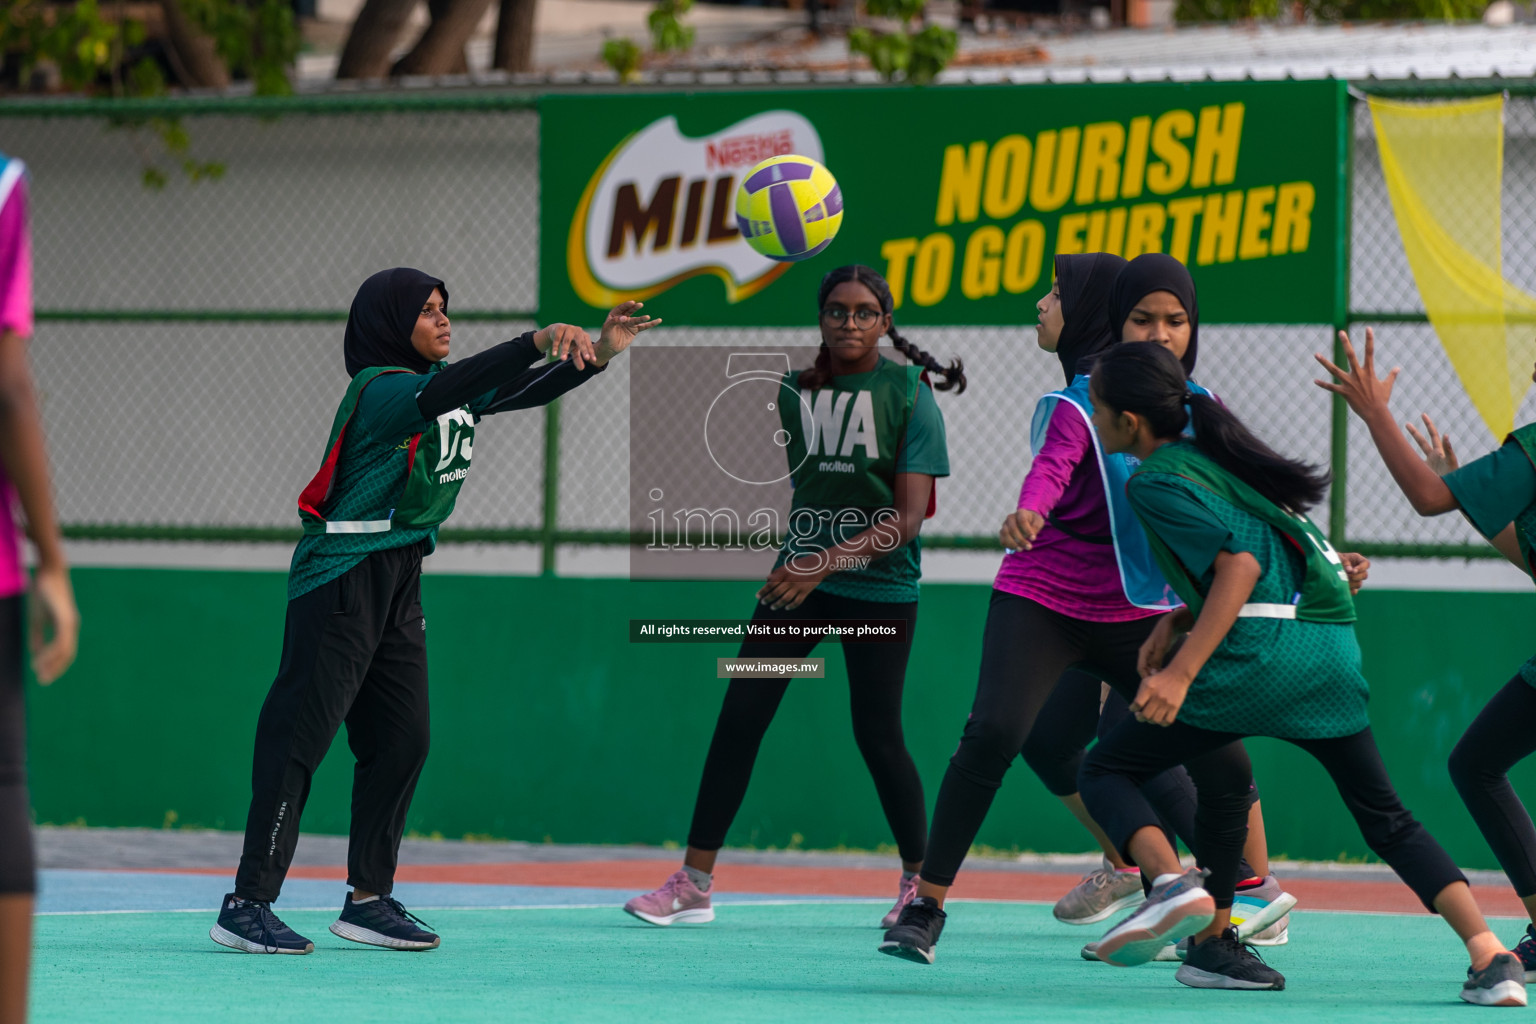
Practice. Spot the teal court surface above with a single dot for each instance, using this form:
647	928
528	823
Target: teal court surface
129	944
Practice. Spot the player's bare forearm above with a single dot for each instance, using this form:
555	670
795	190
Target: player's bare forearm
1236	576
912	490
1421	485
22	451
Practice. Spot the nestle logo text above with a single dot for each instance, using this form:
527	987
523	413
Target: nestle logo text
745	150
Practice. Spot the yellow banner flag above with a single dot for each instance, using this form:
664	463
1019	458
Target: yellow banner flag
1444	167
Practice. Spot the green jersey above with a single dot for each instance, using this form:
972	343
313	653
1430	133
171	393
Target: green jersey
1499	489
1276	672
389	477
848	441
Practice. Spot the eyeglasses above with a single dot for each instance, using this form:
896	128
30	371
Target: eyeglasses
835	315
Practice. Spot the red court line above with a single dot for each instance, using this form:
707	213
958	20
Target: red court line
642	875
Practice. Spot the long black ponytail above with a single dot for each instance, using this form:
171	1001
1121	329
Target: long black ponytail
820	373
1148	380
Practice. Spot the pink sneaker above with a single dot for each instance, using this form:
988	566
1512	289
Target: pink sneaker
904	894
678	901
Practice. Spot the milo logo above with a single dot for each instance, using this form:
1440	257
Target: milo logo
661	208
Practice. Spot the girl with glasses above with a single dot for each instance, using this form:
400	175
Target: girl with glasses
868	504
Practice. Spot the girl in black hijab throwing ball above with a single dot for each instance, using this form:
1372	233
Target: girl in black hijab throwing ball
354	645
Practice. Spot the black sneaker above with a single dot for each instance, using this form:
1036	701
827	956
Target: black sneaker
1501	983
919	927
382	922
251	927
1223	961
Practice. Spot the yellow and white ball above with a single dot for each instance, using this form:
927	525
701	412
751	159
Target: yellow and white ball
789	208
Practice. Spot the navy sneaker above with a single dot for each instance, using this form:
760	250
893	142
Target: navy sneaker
251	927
1526	951
382	921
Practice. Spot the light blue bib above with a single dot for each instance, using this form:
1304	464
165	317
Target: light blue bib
1140	578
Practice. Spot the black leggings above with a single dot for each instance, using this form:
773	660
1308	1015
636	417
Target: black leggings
18	869
876	675
1026	648
1503	734
1070	720
354	651
1135	751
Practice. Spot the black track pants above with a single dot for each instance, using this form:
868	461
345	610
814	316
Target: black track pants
1136	750
1502	735
1026	649
354	651
18	869
876	674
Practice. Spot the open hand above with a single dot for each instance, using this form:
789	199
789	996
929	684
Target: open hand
620	329
565	340
1020	529
1437	449
1367	394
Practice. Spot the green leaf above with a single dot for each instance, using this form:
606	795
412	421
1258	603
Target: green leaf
174	134
624	57
932	49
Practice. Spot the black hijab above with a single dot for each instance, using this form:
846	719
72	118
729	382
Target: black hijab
1085	282
382	318
1156	272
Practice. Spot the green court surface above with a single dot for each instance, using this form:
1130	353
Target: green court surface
806	962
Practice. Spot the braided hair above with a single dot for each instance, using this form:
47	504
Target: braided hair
820	373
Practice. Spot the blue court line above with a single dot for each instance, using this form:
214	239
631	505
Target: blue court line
70	891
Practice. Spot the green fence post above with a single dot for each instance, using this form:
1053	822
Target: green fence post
1339	433
551	488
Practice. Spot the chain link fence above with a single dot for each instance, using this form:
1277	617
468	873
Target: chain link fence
188	345
1383	296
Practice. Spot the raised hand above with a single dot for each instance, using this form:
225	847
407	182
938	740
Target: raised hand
1437	449
621	328
1367	394
563	341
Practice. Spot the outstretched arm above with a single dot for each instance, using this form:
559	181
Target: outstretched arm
542	385
1067	442
1369	396
503	371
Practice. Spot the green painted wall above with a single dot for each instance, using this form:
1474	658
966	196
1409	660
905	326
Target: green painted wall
548	723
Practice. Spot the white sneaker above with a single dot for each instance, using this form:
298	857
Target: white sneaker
1175	909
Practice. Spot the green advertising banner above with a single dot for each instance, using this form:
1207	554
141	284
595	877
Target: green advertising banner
958	195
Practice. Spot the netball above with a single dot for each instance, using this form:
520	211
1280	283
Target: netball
789	208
